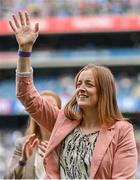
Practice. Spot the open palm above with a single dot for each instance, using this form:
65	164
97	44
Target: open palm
25	34
29	146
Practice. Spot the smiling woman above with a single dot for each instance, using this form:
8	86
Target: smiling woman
89	137
86	91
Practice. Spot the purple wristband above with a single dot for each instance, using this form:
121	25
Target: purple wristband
24	54
22	163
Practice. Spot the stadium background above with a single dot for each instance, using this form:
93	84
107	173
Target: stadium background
72	34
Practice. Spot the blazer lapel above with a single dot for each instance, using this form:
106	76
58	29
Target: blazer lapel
63	130
103	141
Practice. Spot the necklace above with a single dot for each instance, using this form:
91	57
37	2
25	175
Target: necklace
89	134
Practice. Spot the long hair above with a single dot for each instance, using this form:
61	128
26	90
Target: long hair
32	126
54	95
107	107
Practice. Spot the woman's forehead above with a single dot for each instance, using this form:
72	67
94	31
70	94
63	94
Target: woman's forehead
86	74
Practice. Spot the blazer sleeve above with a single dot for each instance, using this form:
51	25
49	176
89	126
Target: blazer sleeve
125	158
11	173
40	109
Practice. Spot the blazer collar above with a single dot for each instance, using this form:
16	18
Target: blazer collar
103	141
62	130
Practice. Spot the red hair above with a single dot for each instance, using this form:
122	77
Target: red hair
107	107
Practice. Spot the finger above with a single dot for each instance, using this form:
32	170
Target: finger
32	135
26	141
41	152
27	18
12	26
35	143
44	144
42	148
16	21
22	21
36	28
26	145
29	140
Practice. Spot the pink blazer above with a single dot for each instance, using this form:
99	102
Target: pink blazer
115	154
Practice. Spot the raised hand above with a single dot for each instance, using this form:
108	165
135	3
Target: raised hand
29	146
25	34
43	148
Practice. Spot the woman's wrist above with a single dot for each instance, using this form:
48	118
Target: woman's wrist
25	48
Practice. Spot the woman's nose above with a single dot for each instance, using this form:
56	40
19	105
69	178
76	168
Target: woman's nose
82	88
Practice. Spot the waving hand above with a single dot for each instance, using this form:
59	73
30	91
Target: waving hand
29	146
25	34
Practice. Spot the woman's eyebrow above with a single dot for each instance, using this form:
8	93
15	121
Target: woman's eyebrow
89	80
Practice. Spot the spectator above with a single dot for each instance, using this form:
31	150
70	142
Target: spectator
27	162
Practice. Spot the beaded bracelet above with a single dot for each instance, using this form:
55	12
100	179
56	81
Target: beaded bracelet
22	163
24	54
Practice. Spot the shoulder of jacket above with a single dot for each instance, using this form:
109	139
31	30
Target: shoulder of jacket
122	128
123	124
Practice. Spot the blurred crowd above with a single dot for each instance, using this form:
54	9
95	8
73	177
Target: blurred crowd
7	144
62	8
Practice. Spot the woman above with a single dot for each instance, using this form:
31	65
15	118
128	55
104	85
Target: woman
27	162
89	137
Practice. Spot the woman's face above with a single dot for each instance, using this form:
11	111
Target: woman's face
86	92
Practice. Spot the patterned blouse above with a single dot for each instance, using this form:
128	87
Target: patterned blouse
76	154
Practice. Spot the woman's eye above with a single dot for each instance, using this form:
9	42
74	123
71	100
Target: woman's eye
78	85
90	85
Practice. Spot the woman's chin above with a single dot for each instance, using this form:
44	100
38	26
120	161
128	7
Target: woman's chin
82	105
